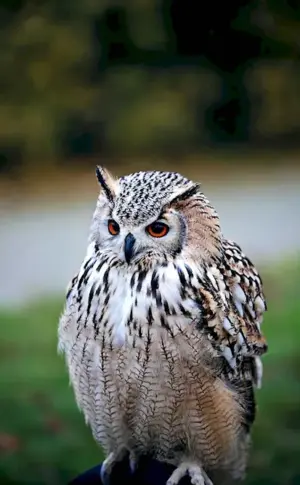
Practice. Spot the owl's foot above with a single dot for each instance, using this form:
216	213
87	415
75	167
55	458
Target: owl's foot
108	465
132	462
196	473
110	462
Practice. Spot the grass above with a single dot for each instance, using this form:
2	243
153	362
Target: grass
43	438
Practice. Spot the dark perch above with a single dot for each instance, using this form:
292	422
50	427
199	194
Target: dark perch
149	472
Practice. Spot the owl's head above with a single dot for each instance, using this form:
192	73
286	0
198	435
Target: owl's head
154	216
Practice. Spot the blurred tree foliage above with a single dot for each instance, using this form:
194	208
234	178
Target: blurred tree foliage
145	76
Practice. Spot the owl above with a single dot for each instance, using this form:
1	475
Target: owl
161	330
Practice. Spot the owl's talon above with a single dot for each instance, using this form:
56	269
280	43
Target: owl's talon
132	463
108	465
104	475
196	473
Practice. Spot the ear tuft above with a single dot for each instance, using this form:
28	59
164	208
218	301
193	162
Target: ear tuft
185	193
106	182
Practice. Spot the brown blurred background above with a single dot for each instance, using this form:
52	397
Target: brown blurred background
209	89
146	78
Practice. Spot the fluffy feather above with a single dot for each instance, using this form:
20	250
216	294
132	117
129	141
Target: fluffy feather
163	352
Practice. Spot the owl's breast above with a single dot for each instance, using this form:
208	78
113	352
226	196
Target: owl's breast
126	302
137	300
140	368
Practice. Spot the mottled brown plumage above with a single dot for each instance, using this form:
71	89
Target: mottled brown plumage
161	330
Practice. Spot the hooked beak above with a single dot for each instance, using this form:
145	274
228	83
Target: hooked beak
128	247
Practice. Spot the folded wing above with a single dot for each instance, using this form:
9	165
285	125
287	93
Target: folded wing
233	308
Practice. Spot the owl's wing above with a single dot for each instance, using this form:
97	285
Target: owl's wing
235	328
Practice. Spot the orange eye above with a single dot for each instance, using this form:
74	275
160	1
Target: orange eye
158	229
113	227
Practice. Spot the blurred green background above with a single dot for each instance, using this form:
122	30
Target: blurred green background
210	90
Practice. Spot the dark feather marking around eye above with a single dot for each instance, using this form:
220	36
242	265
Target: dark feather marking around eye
162	214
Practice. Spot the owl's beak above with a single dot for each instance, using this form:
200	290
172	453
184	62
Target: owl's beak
128	247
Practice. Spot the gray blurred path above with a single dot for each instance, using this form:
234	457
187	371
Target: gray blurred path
41	247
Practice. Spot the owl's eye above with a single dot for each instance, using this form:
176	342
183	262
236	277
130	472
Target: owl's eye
113	227
157	229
